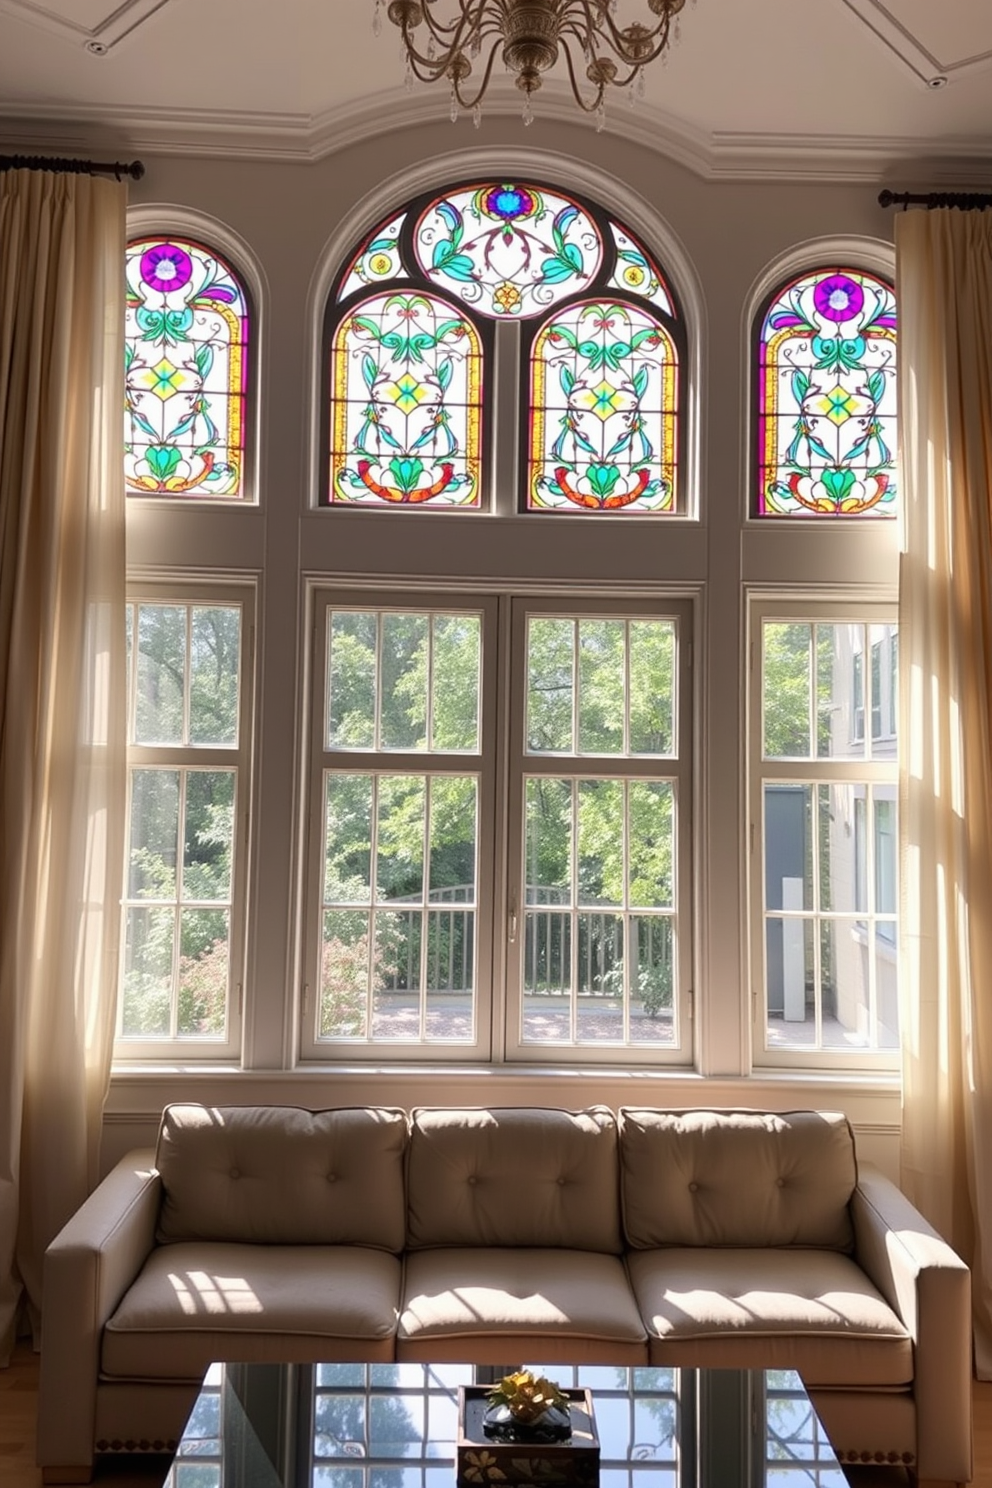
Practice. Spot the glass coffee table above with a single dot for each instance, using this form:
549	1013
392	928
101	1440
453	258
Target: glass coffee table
396	1426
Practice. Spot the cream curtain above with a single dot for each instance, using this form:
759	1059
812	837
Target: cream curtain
62	780
944	286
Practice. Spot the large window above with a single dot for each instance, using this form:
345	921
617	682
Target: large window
434	888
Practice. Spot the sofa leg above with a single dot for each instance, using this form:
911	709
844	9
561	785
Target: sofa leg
77	1474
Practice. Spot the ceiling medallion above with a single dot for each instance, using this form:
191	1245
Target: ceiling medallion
530	36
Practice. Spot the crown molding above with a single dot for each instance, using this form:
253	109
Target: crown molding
305	139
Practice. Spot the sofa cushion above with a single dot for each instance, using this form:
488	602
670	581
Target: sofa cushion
514	1177
736	1178
277	1175
464	1297
196	1302
810	1310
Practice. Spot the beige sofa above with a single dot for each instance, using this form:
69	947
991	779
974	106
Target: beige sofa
725	1238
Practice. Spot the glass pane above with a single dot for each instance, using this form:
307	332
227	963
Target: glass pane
547	975
550	674
203	972
788	847
652	687
344	975
886	849
651	835
154	834
396	988
378	260
351	680
884	644
786	690
602	679
146	1000
601	842
453	847
827	398
652	997
887	984
549	841
450	974
406	404
209	834
403	681
839	726
402	805
789	970
348	840
844	978
599	977
215	651
636	273
161	674
842	847
185	372
456	663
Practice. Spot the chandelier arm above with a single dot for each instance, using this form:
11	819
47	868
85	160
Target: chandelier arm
587	108
604	24
435	65
470	103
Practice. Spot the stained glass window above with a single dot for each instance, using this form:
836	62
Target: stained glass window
826	431
406	404
602	417
185	371
406	366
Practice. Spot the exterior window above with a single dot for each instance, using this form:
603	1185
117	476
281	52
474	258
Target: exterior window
427	303
824	802
184	875
186	372
826	398
408	754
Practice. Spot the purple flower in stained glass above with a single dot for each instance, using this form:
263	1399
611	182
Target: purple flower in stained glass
509	202
166	267
838	298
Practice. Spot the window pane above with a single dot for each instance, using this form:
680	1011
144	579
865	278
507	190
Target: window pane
344	974
348	839
161	674
455	672
550	689
845	986
351	680
600	978
215	644
549	841
602	686
652	687
547	976
406	404
186	335
827	398
146	991
786	689
653	982
601	842
209	834
396	1002
790	981
788	853
203	972
402	801
154	834
651	837
839	725
603	380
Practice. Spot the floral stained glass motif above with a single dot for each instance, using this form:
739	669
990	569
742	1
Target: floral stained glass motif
406	393
507	250
636	273
827	398
378	262
602	411
186	336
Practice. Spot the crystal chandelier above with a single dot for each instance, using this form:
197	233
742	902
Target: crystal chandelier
530	36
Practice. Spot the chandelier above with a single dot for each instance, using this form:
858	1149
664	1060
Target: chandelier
530	36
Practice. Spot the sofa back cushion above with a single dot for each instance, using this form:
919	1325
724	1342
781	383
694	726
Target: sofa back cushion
741	1178
278	1175
514	1177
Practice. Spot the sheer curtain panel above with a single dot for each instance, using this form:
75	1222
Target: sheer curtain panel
944	286
62	642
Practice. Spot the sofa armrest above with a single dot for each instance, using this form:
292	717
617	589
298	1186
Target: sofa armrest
929	1286
88	1267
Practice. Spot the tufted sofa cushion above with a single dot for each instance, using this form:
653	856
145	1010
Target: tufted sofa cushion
514	1177
276	1175
741	1178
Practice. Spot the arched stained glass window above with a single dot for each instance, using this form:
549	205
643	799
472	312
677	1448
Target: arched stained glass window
407	404
826	397
602	414
600	379
186	340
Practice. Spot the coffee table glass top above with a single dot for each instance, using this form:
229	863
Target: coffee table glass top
395	1426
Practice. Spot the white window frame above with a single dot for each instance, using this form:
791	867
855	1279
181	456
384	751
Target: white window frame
843	609
220	591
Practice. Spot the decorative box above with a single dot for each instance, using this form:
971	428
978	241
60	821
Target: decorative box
481	1462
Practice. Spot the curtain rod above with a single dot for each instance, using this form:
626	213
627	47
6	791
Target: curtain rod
134	168
967	201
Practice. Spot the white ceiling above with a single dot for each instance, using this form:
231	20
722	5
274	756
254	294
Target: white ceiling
840	88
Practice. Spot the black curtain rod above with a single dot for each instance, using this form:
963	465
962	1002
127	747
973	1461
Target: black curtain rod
134	168
967	201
